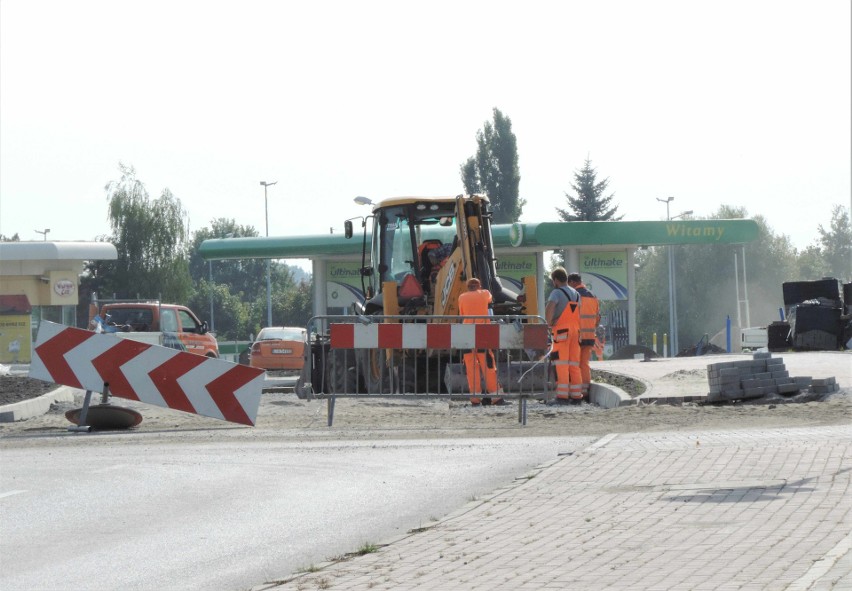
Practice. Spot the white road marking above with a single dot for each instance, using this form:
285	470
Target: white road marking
108	469
823	565
601	442
11	492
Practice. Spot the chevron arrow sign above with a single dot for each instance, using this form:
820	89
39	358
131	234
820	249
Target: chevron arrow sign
148	373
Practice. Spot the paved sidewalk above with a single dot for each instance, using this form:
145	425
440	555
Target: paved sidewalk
679	379
755	509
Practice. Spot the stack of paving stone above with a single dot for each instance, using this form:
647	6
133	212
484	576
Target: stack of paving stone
760	376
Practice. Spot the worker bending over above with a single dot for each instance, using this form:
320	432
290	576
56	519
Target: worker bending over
562	314
477	302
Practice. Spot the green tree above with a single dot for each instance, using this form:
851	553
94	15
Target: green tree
293	307
494	169
230	319
242	276
811	264
238	287
13	238
836	244
150	237
590	204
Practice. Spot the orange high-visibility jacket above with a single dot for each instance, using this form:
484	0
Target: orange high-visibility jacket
474	303
590	316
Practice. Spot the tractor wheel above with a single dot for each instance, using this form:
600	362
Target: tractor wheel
341	372
376	373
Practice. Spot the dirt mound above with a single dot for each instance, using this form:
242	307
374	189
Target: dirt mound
701	349
685	374
17	388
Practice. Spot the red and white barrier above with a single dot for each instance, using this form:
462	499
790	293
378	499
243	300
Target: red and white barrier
438	336
148	373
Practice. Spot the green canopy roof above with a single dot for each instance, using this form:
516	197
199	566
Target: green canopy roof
542	236
552	235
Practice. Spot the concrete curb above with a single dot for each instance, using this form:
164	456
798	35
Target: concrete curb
608	396
27	409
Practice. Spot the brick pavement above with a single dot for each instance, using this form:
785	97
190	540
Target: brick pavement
753	509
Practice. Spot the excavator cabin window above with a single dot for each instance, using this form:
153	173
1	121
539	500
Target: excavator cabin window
406	234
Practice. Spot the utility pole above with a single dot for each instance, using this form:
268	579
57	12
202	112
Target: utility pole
673	344
672	339
268	261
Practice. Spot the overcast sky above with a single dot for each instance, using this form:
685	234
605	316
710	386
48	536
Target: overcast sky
743	103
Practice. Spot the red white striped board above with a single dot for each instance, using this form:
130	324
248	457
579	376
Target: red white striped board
148	373
438	336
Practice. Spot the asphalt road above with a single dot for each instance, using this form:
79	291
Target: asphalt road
97	512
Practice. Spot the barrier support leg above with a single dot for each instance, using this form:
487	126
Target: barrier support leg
81	425
522	410
331	410
105	395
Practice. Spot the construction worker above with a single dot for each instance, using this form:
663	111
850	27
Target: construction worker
562	314
590	317
477	302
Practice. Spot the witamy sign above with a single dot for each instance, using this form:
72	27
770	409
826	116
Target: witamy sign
688	231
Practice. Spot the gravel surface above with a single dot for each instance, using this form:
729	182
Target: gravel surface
17	388
282	416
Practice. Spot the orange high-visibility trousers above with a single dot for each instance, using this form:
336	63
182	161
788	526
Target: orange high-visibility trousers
569	379
477	363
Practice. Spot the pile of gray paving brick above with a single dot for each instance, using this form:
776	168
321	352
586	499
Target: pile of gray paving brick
763	375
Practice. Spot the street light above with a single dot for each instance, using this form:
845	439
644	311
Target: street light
668	200
268	261
673	344
43	233
212	320
674	286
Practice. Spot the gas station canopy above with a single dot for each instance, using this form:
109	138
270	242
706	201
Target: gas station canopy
525	237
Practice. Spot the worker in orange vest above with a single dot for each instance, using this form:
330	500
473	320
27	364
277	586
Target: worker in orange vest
590	317
477	302
562	314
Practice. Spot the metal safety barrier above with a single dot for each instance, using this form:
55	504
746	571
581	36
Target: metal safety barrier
424	356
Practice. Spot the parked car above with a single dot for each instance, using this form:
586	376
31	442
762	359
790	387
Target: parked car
279	349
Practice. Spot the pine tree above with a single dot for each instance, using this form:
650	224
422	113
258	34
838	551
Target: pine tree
590	204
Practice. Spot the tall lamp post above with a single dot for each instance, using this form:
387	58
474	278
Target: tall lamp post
43	233
673	344
212	321
672	348
268	261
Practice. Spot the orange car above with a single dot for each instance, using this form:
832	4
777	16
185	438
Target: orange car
279	349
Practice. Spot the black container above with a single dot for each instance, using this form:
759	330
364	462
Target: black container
796	292
778	336
815	328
